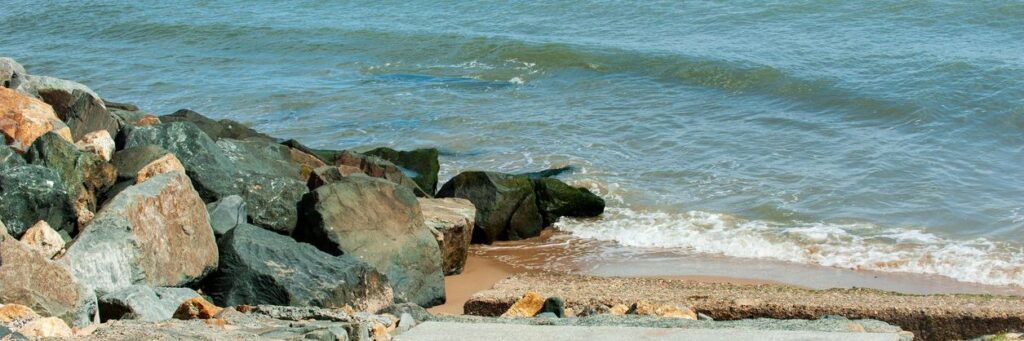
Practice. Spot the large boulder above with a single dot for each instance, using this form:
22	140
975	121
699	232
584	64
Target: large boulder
32	193
270	196
557	199
421	163
261	157
378	168
75	104
83	174
215	129
226	214
506	206
452	219
156	233
23	119
11	73
262	267
29	278
141	302
380	223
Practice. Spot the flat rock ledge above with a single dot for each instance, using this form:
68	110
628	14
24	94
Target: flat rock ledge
929	317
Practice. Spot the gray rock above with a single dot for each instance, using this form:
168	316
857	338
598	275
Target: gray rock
261	156
141	302
75	104
300	313
215	129
453	220
546	315
9	158
156	233
378	168
554	305
347	216
557	199
28	278
704	317
271	200
263	267
12	74
226	214
405	322
418	313
420	164
506	206
32	193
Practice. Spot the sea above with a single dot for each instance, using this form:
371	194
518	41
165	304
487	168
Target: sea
881	136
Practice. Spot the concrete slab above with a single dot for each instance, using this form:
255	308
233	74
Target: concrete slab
444	331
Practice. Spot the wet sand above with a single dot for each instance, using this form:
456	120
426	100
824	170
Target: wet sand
480	273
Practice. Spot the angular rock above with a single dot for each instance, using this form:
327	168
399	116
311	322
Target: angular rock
324	155
329	174
11	73
48	288
215	129
676	311
554	305
261	156
156	233
32	193
557	199
418	313
46	327
196	308
306	161
23	119
547	173
75	104
136	164
380	223
422	163
98	142
262	267
272	200
226	214
164	164
506	206
43	239
378	168
83	174
130	115
9	158
527	306
453	219
141	302
16	315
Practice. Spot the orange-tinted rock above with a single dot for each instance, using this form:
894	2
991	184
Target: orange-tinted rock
528	306
197	308
453	219
380	333
23	119
618	309
164	164
43	239
307	161
672	310
16	314
98	142
46	327
146	121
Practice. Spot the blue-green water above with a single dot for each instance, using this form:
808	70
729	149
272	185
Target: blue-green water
871	135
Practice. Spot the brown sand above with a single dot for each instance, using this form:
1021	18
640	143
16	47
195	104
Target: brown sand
479	273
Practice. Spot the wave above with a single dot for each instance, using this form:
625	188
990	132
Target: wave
850	246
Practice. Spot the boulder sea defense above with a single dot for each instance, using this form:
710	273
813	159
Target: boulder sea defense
8	158
381	223
557	199
43	239
506	206
23	119
263	267
31	193
84	175
141	302
156	233
379	168
75	104
528	306
453	220
98	142
422	163
28	278
226	214
213	128
11	73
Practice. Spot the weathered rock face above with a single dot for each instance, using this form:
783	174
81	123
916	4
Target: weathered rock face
380	223
98	142
136	164
226	214
262	267
506	207
270	197
421	162
215	129
33	193
261	156
330	174
42	238
46	327
156	233
307	162
9	159
23	119
30	279
453	219
75	104
378	168
83	174
11	73
141	302
557	199
528	306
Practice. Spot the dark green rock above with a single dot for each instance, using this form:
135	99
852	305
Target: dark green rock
260	156
557	199
262	267
52	151
215	129
212	173
547	173
9	158
271	201
129	162
32	193
554	305
421	163
380	223
506	207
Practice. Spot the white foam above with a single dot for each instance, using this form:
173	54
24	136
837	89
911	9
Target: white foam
853	246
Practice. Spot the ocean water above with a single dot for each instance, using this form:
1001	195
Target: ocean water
882	136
